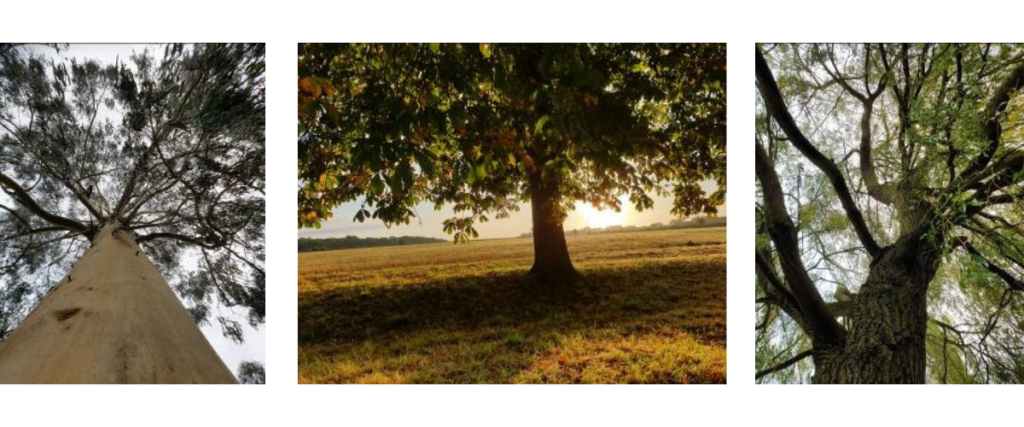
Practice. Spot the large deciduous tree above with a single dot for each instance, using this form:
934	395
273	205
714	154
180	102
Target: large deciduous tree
118	179
484	127
890	247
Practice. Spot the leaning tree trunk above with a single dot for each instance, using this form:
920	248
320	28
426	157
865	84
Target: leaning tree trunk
113	319
551	263
886	343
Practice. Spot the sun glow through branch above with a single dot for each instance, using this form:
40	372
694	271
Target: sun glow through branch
596	218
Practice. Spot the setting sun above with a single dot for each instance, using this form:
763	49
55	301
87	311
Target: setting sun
596	218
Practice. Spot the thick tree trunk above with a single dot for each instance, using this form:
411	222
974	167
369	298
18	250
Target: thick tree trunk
551	263
113	319
886	342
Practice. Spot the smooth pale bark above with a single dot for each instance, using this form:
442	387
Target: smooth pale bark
113	319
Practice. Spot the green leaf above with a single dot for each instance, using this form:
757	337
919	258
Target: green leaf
331	182
537	128
485	50
435	47
480	172
377	185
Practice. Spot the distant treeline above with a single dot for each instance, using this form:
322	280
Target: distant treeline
352	242
675	223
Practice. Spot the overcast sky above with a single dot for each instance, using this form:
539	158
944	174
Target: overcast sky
232	354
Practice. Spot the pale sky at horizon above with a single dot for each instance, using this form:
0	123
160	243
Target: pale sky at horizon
428	221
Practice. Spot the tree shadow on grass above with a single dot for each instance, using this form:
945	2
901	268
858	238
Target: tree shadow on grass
642	322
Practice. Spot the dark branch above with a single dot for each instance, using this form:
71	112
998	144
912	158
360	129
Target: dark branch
26	200
792	361
777	108
824	329
993	110
179	237
1013	282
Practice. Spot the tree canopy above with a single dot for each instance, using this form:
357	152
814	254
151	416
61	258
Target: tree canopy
889	212
481	126
168	143
251	372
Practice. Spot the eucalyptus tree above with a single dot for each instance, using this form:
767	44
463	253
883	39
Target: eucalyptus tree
890	247
118	179
484	127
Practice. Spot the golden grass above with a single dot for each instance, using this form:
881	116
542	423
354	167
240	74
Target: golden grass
651	309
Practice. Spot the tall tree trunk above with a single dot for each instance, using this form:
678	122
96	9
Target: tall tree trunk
551	263
886	343
113	319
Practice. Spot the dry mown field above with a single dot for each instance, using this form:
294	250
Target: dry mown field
651	309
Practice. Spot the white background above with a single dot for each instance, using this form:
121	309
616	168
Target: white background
282	24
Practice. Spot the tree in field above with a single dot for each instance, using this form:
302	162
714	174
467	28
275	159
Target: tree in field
890	245
482	128
118	179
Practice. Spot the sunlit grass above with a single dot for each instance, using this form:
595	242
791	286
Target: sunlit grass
651	309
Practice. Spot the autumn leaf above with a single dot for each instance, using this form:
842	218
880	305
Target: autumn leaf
310	86
305	84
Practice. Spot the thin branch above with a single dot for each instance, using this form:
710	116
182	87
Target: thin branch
26	200
792	361
777	107
993	110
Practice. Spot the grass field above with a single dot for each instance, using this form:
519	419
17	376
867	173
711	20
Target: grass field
650	309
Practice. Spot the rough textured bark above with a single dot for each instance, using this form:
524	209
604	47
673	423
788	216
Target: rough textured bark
886	342
885	324
551	263
112	319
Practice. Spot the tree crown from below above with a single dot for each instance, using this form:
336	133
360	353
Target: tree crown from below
872	153
168	143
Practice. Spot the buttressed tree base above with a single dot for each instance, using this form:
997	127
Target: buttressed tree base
112	319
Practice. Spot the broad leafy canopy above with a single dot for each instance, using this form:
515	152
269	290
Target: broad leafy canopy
472	125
